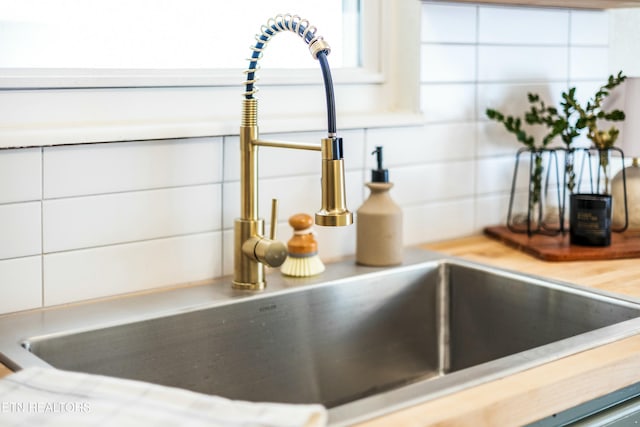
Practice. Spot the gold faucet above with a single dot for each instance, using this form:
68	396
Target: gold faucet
252	250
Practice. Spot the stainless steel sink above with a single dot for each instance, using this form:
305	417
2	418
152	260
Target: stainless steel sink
362	341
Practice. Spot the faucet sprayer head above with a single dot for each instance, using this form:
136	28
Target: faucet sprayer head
334	210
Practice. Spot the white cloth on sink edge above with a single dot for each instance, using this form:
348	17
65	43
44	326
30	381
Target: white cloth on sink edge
55	398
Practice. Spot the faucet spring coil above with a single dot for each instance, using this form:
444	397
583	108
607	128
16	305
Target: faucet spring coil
249	112
279	23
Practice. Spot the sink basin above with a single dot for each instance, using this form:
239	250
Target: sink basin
362	341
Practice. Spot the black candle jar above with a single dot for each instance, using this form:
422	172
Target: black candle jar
590	219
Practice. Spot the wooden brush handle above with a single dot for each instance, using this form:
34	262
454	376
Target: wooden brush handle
301	221
302	244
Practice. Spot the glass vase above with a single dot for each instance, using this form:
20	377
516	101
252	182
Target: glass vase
528	212
603	176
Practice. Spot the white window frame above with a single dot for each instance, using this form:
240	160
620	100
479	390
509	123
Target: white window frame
50	107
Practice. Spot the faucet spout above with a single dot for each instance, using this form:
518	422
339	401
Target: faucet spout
251	249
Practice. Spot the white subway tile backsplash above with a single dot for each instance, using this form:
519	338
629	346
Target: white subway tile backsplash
589	27
337	242
447	102
428	183
522	63
83	222
430	143
448	23
115	167
494	140
522	25
437	221
448	63
227	251
20	284
589	63
20	230
491	210
20	175
495	174
111	270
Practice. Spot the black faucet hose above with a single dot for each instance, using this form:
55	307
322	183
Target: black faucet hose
328	89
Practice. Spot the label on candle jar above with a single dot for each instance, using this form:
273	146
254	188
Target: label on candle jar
590	219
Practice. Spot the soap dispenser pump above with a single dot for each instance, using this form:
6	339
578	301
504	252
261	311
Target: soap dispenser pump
379	222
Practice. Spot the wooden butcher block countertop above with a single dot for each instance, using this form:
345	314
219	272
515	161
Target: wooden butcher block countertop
545	390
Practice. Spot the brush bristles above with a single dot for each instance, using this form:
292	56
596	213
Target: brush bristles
302	266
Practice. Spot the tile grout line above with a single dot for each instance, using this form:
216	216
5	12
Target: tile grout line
42	183
476	95
132	191
569	49
221	245
363	191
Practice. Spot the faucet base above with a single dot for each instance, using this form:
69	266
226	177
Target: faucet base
248	274
248	286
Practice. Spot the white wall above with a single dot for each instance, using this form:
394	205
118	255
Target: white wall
625	39
88	221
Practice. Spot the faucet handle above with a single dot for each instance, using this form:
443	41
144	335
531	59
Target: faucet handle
267	250
271	251
264	250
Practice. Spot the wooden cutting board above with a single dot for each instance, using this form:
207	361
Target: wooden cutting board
4	371
558	248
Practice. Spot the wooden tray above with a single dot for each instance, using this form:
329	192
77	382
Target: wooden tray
558	248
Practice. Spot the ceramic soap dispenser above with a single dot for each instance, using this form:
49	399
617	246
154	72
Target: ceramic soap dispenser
379	222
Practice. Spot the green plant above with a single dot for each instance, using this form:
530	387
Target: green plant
538	114
567	123
570	131
591	115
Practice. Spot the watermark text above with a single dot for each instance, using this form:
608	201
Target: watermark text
41	407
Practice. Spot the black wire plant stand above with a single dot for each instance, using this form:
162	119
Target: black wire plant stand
546	183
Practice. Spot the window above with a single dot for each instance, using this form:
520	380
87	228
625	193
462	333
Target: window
166	34
108	70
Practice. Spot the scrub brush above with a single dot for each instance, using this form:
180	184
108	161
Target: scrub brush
303	259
